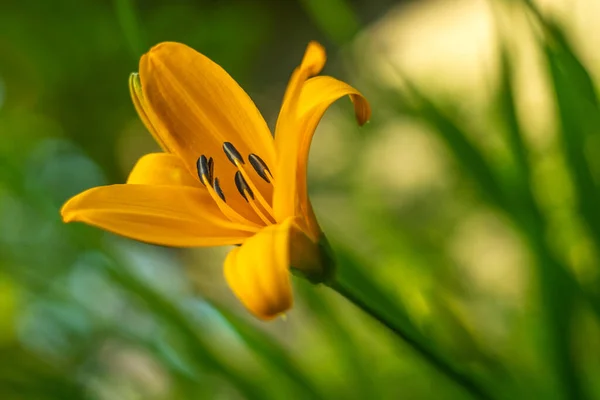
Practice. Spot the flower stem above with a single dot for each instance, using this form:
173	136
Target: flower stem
438	362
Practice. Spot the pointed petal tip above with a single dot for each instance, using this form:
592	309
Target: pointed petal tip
160	51
362	109
314	58
166	48
271	314
162	45
258	272
66	211
66	216
135	88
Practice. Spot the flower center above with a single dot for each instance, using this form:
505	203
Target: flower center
244	184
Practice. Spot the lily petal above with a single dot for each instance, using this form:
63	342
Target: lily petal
165	215
294	139
139	102
162	169
312	63
198	107
258	271
318	94
286	141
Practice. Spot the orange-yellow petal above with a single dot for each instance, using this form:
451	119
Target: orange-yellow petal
165	215
199	107
294	139
162	169
286	142
258	271
196	107
312	63
318	94
139	102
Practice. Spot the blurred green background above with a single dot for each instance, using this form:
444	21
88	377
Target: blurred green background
467	211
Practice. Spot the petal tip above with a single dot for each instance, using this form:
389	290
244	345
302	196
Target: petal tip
362	109
160	51
163	46
314	57
272	313
66	212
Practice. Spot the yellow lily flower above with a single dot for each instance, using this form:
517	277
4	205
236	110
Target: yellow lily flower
223	179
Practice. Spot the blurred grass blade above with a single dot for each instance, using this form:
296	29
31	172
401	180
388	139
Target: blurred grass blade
334	17
581	78
508	111
526	213
171	313
273	354
553	276
466	154
579	114
349	350
573	111
576	102
357	287
127	17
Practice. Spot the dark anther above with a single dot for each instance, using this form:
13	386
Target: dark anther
242	186
211	170
232	153
218	189
259	166
203	169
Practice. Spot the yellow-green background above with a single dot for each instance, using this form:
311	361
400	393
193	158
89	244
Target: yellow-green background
465	211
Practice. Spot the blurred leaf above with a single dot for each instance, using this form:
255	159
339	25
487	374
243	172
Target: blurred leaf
275	356
350	351
554	277
360	289
26	375
197	344
466	154
559	45
574	109
334	17
126	14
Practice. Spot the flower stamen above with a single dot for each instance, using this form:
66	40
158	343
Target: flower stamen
206	174
236	159
206	170
257	192
218	189
242	186
260	167
248	195
232	154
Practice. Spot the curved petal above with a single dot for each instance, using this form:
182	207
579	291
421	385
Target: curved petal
258	271
290	198
312	63
139	102
162	169
165	215
200	107
318	94
195	107
286	142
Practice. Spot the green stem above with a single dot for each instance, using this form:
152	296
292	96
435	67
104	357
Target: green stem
441	365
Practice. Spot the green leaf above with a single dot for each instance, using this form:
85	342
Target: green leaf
465	153
350	352
197	344
360	289
126	15
274	355
334	17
